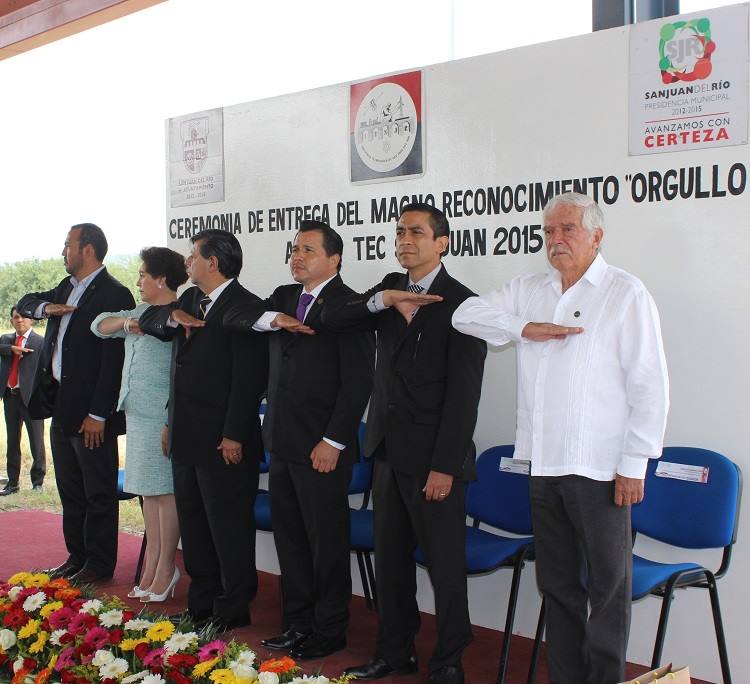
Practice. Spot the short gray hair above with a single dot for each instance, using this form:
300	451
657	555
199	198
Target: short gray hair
592	218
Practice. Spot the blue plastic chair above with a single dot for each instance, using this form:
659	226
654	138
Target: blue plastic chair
686	515
499	499
122	495
362	536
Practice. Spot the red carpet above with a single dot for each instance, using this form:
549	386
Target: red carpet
33	539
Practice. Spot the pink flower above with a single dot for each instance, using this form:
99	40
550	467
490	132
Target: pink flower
154	658
65	659
61	618
81	623
98	637
212	650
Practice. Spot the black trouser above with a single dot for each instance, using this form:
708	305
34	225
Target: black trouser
16	414
403	519
583	558
217	525
87	483
310	516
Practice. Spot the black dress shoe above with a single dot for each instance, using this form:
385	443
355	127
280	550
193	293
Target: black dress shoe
199	619
446	675
67	569
379	668
289	639
318	646
226	624
86	576
8	489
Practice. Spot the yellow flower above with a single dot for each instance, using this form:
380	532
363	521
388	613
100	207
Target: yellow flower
38	645
130	644
160	631
201	669
50	608
19	578
40	579
53	660
29	629
223	676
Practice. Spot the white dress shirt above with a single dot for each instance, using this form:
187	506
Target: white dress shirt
593	404
263	324
21	343
213	296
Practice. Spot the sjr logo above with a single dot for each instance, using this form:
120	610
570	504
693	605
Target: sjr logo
685	49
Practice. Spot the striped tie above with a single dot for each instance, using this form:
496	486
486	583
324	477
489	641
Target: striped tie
203	305
416	289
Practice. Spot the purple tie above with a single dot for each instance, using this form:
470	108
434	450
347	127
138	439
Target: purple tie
304	302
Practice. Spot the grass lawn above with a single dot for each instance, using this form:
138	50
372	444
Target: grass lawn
131	519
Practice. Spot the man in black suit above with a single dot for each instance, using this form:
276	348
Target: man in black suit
420	425
78	386
20	360
318	388
218	379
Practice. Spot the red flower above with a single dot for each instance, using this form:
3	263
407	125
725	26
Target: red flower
29	664
182	661
115	636
67	677
178	677
15	618
141	650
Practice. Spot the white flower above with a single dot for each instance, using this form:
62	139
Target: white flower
246	658
268	678
113	670
242	671
312	679
179	641
102	657
92	606
152	679
111	618
134	677
14	592
138	624
54	638
34	602
7	639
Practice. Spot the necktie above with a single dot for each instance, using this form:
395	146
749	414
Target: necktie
203	305
416	289
304	302
13	377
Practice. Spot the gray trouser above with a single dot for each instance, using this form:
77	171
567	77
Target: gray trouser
583	559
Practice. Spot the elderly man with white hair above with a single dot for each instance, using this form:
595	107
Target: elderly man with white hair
592	408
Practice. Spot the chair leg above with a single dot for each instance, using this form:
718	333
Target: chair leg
719	627
661	630
363	577
537	643
371	578
510	618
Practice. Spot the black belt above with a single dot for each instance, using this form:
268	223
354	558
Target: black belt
12	390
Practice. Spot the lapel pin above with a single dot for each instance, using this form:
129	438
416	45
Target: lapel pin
577	314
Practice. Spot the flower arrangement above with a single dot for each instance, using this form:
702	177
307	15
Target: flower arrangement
52	631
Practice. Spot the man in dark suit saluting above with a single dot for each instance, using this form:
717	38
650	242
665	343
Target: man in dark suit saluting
420	426
20	360
78	386
318	388
218	379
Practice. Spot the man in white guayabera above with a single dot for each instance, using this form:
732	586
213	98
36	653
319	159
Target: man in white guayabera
593	396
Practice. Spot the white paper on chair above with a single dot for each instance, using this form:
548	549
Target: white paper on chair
519	466
680	471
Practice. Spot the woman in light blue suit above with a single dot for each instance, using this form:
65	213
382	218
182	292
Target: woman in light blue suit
144	392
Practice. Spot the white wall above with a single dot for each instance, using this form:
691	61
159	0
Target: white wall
551	111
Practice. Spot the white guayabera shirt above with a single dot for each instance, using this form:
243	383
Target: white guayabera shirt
593	404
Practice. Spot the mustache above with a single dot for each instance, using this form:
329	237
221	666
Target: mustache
557	250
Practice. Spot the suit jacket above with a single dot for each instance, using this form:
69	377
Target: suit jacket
428	379
91	367
27	369
318	384
218	378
